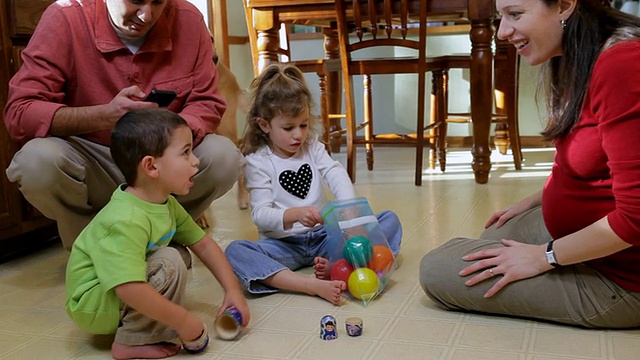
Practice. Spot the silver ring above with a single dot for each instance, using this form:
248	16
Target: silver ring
491	272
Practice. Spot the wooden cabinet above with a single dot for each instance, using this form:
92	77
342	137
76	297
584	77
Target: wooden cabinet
18	20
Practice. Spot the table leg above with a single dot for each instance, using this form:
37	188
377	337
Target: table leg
481	96
268	44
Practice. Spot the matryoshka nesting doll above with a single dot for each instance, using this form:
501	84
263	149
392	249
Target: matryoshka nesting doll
328	329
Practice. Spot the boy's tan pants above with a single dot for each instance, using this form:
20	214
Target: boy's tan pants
167	273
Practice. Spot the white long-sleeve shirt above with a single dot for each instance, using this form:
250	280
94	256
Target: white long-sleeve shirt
276	184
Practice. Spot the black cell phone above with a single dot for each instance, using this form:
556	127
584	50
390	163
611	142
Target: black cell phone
161	97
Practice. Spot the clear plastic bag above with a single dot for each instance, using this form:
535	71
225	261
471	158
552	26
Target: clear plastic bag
359	252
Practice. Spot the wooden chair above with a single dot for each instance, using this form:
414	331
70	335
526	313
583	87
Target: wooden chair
505	116
376	23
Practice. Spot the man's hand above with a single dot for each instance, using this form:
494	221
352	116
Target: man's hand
72	121
128	99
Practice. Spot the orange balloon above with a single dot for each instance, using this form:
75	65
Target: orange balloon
382	258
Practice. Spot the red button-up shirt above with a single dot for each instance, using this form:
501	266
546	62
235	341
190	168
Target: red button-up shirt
75	58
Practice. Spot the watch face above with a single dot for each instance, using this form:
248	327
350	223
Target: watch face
550	258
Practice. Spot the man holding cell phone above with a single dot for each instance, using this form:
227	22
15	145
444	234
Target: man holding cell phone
161	97
87	64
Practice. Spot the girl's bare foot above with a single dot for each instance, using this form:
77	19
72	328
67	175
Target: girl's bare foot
330	290
321	268
151	351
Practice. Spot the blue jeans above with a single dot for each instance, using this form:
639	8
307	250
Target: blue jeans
253	261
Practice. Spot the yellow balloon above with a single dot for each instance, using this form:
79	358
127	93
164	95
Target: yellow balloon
363	284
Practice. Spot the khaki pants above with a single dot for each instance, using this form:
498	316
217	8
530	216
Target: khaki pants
167	273
70	179
574	295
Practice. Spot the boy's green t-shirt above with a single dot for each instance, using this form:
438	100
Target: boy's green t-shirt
112	250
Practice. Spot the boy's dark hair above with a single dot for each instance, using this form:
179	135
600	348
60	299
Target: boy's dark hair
139	133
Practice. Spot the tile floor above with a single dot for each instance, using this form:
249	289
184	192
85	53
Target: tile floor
400	324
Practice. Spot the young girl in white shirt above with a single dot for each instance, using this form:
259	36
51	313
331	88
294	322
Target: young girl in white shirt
286	170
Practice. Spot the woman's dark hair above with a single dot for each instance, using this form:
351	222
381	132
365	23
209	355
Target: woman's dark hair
593	26
140	133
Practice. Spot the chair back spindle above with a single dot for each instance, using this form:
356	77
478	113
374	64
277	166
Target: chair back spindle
384	23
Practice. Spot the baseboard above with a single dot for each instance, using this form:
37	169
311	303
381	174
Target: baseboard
467	142
525	141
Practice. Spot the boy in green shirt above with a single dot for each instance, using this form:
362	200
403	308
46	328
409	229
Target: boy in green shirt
121	276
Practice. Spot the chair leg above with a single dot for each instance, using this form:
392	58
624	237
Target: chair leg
368	119
512	109
439	94
506	100
351	125
324	111
420	127
334	89
501	93
501	137
436	84
442	101
514	141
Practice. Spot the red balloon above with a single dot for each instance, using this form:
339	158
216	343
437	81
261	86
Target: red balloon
341	270
382	259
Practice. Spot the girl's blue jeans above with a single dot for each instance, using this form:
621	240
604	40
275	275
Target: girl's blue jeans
253	261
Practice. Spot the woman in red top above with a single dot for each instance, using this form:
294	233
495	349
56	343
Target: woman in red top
568	253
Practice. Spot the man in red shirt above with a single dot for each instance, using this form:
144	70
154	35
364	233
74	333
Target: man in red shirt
87	64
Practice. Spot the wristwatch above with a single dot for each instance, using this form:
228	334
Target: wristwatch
551	256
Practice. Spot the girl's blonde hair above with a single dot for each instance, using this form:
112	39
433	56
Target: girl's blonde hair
279	90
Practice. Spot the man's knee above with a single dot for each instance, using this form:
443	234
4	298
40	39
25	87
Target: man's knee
220	160
37	164
218	151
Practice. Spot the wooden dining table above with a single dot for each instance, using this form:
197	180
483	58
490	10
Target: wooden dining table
264	18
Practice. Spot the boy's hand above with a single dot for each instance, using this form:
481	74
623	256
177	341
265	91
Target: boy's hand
214	259
191	328
237	299
197	345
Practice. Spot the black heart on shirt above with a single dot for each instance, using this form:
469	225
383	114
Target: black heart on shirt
297	183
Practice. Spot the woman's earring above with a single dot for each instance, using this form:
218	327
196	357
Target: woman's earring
564	23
